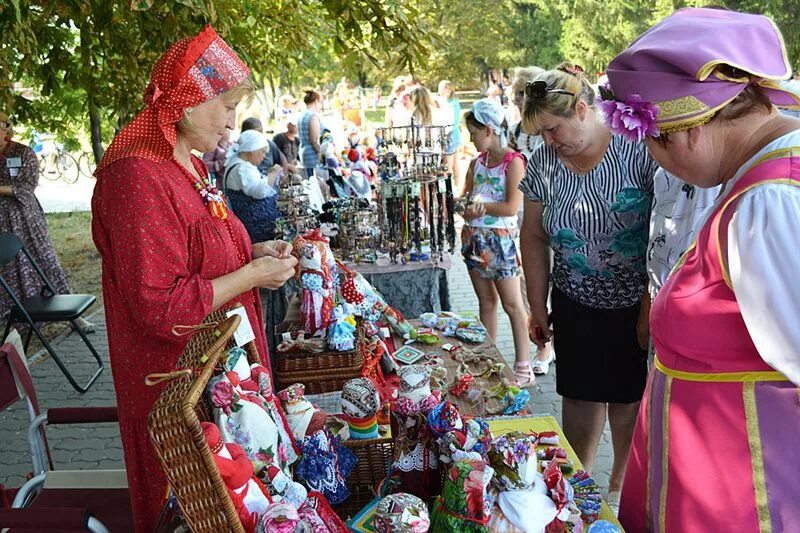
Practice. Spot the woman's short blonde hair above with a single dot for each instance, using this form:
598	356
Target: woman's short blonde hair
523	76
558	104
243	91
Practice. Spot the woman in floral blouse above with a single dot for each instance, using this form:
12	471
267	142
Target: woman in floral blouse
587	197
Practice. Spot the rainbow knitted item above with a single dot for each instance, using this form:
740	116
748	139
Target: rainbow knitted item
362	428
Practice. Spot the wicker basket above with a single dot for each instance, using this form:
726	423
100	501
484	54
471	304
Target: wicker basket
318	382
320	372
174	426
289	363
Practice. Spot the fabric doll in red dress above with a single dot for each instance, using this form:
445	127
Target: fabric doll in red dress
316	281
249	496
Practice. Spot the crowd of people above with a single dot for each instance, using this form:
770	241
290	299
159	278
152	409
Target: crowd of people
643	229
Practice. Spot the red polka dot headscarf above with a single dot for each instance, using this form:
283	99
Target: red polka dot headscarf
193	70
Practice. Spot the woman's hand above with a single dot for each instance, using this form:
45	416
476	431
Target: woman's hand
474	210
271	272
539	328
278	249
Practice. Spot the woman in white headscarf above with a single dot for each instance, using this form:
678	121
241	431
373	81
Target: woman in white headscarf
252	195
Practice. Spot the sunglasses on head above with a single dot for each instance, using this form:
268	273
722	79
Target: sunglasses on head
539	89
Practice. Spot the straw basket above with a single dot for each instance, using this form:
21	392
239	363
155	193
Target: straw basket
174	425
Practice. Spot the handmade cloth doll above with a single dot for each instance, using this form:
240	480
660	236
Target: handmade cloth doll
368	302
415	390
466	503
513	457
254	420
473	442
325	466
360	405
416	462
401	513
316	275
250	497
342	329
302	416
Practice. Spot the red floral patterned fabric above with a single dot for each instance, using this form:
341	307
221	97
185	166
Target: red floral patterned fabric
161	249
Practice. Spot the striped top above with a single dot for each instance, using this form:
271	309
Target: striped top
597	222
308	156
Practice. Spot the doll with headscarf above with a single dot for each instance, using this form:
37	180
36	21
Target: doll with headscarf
316	275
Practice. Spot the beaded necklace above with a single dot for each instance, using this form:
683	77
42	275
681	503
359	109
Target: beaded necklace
215	201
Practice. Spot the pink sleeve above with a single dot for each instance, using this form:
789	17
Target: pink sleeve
144	241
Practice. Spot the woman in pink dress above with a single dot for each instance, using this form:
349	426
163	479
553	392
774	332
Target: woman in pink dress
715	446
171	251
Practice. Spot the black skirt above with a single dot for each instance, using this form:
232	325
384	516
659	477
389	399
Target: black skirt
598	354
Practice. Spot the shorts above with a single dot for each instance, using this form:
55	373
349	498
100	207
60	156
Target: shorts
490	252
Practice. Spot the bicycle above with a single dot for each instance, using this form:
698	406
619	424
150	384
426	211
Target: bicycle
54	161
86	164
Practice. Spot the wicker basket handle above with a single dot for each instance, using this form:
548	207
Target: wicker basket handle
157	378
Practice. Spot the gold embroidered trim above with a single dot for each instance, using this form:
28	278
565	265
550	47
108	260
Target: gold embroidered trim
647	511
686	125
662	506
756	457
680	107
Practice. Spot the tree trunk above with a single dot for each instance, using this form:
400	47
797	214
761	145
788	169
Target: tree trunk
95	121
96	129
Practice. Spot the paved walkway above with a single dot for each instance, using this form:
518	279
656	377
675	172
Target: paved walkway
98	446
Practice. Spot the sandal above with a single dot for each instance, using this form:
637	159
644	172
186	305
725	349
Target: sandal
541	368
524	374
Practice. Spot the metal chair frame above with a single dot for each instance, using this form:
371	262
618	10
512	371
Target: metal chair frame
10	246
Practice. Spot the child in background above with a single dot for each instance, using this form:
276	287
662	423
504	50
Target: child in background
491	226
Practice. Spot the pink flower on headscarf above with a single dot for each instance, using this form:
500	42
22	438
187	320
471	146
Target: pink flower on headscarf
474	487
634	119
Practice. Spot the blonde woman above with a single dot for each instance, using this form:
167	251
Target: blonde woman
587	197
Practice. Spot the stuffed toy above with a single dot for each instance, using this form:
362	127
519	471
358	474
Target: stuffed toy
303	417
360	405
250	497
316	274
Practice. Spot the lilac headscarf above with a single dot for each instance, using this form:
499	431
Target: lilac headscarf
673	66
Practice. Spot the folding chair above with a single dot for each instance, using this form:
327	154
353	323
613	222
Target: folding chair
47	307
59	499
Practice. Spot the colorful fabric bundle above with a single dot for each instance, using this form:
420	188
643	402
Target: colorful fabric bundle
360	405
401	513
586	495
302	416
342	329
466	503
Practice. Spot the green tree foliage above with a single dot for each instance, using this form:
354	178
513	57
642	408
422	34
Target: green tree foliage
90	59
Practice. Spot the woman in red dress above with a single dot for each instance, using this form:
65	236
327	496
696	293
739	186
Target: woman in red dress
171	252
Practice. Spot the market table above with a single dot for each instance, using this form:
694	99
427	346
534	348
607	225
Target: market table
539	423
411	288
470	403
